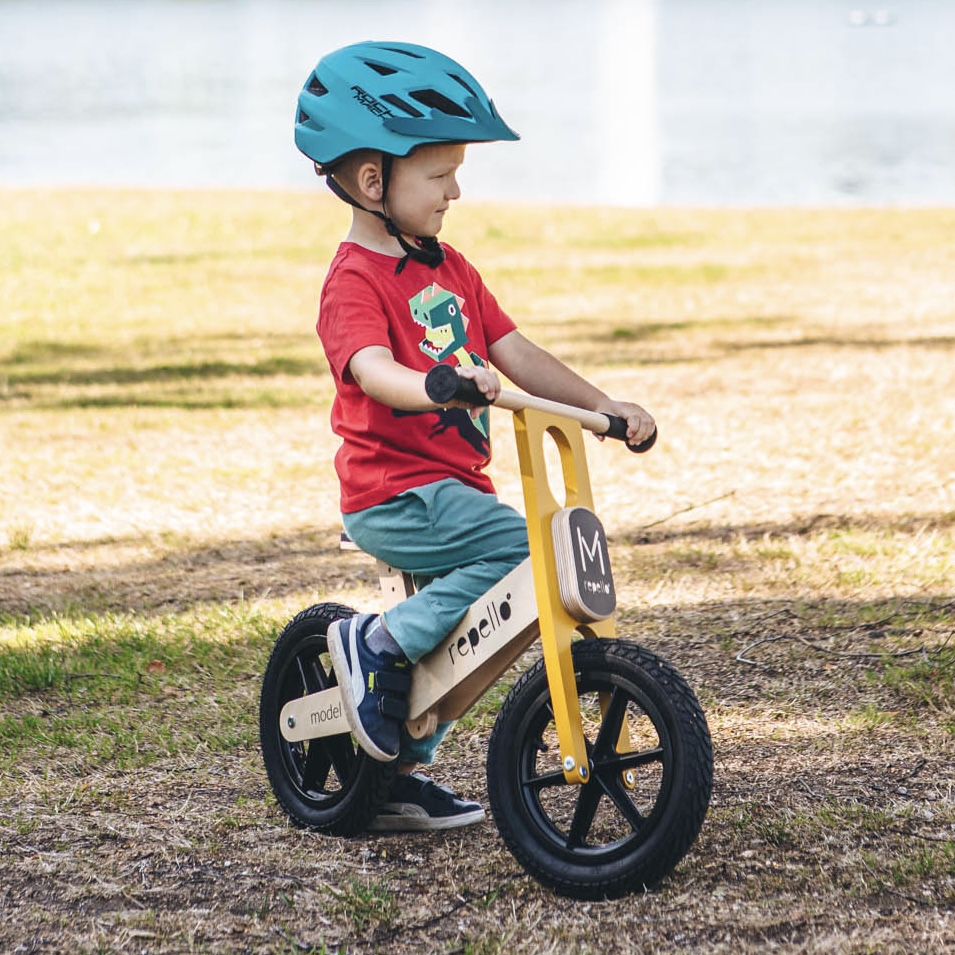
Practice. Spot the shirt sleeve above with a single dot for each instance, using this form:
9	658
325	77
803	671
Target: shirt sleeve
351	316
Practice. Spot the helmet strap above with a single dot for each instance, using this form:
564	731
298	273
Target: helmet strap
425	249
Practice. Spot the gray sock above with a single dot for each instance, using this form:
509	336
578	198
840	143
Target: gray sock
379	640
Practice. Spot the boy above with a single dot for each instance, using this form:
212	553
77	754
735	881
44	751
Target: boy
388	124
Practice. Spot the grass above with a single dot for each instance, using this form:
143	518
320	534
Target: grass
80	679
168	502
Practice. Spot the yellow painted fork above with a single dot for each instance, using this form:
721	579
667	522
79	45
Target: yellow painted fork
532	428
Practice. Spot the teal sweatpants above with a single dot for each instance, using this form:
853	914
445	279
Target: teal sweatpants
462	541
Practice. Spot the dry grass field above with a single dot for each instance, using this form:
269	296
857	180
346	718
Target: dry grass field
167	502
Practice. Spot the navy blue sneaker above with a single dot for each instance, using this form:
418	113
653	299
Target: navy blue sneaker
415	804
374	687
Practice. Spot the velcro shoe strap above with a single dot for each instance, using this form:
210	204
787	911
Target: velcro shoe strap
394	707
396	682
392	688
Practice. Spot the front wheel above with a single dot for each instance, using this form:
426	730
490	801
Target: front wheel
328	784
651	771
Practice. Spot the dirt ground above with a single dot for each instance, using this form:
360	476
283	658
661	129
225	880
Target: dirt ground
824	834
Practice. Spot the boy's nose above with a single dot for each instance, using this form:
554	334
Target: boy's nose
454	190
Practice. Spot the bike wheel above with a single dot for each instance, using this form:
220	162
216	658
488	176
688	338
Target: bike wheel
640	811
328	784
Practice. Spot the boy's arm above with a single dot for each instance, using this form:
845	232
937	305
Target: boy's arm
540	373
378	375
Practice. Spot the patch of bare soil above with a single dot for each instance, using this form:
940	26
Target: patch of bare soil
194	858
827	833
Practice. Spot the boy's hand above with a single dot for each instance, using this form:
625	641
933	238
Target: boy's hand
640	423
487	383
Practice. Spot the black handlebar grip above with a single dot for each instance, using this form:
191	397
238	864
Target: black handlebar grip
618	430
444	384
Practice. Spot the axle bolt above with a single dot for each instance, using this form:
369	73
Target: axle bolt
291	722
569	764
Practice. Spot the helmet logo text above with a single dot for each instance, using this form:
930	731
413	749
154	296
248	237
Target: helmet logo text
370	103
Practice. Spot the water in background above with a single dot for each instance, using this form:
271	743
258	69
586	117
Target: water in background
629	102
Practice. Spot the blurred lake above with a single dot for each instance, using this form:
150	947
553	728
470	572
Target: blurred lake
627	102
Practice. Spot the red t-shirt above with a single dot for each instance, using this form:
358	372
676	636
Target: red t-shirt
423	316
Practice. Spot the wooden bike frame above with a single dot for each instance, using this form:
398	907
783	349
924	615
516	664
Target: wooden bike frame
507	619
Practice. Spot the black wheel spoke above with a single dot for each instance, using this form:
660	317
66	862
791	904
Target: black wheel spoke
584	813
319	676
342	755
315	771
303	680
621	761
544	781
303	667
619	795
612	723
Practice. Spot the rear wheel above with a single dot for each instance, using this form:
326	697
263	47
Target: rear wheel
328	784
641	809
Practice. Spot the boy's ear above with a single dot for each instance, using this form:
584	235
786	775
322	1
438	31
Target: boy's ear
369	181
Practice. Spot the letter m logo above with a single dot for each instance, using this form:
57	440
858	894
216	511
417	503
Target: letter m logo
583	564
591	553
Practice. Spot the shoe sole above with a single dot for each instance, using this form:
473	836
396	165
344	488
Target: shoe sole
399	823
336	650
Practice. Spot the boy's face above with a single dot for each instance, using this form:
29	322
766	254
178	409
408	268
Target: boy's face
422	187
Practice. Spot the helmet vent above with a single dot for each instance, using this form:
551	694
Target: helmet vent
401	104
397	49
316	86
440	102
380	68
305	120
457	79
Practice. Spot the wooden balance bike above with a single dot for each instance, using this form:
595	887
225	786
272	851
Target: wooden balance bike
599	766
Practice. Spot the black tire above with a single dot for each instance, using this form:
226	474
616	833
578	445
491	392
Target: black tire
326	784
609	837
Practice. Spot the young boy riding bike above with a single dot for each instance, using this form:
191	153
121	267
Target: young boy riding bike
387	124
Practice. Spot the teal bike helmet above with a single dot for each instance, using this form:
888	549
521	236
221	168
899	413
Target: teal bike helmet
391	97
